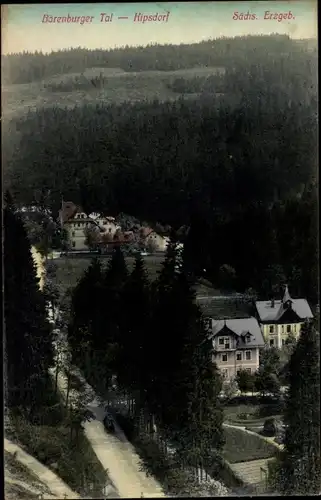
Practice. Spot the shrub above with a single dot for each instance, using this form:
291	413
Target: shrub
270	427
245	416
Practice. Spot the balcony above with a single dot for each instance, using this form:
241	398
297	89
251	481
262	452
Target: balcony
224	347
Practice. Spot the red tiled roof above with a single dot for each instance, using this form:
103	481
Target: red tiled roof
145	231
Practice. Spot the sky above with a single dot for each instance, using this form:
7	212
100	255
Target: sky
23	28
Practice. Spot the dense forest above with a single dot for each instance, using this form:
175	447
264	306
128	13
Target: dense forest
224	52
240	172
112	315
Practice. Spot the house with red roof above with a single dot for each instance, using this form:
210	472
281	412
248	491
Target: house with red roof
77	224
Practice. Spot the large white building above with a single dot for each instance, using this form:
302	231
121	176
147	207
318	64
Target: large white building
280	318
75	221
236	344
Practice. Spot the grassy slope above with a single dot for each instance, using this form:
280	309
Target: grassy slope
120	87
70	270
243	447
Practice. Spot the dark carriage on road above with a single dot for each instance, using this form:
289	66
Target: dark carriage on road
109	423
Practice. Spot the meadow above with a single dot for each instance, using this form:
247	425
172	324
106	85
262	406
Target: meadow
119	86
70	270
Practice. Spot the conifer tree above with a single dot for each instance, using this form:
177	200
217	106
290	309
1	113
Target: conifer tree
300	462
196	416
135	346
28	344
105	327
163	330
85	308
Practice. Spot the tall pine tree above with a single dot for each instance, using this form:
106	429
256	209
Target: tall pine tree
135	344
85	308
196	415
28	335
300	462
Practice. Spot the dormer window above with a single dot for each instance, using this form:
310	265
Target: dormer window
224	341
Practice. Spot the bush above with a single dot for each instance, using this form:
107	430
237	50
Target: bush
270	427
246	416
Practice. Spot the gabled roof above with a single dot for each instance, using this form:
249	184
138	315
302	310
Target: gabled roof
273	311
146	231
68	211
240	327
97	215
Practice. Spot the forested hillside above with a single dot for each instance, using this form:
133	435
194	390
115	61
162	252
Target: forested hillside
219	165
29	67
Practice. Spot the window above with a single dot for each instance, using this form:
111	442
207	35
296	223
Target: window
225	373
238	356
224	358
271	342
221	341
73	233
282	328
109	229
271	328
227	345
288	328
248	355
283	342
73	243
248	370
78	224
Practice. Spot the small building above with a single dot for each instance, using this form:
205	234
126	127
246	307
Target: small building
236	344
280	318
107	225
150	238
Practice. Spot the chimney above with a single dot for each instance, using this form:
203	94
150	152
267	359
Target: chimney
272	302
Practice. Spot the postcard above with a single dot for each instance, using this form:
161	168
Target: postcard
161	292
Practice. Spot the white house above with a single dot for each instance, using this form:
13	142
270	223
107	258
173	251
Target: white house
280	318
149	236
236	344
76	222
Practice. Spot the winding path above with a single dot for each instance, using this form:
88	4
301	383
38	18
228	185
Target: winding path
115	453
